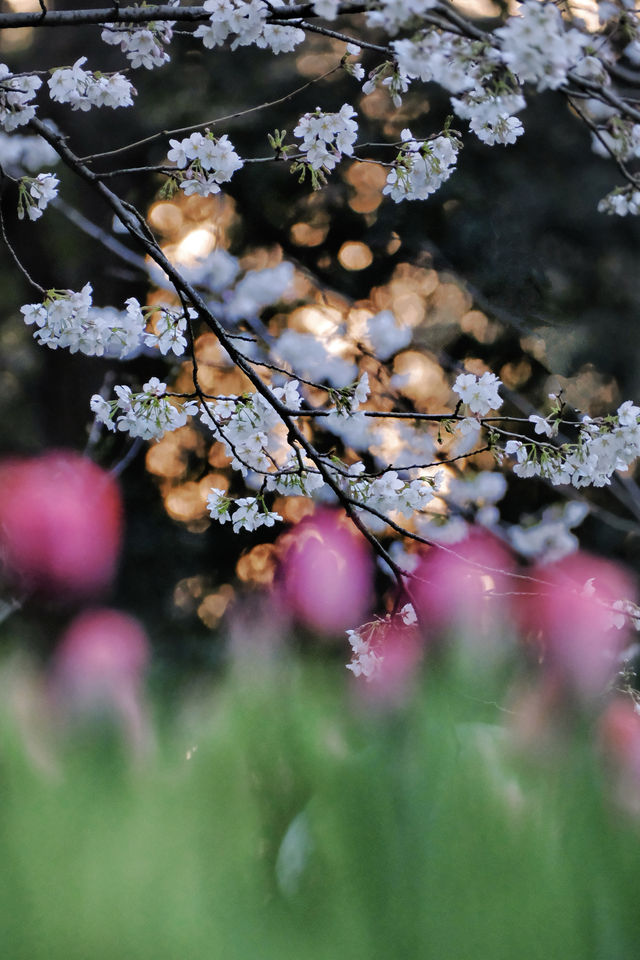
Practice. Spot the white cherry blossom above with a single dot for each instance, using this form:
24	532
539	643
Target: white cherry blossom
479	393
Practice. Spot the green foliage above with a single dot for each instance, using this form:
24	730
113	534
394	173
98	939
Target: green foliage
308	824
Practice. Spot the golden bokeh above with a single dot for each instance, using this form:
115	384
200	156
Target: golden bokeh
354	255
258	565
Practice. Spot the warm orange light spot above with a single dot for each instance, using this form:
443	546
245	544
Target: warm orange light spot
258	565
367	179
534	345
217	456
422	280
478	325
314	64
426	382
376	104
366	176
354	255
200	208
166	217
164	298
293	509
479	9
168	457
589	391
185	503
260	258
515	375
366	204
407	306
23	6
587	11
187	593
214	605
165	460
394	244
476	366
196	245
13	41
207	349
211	480
322	321
448	303
306	235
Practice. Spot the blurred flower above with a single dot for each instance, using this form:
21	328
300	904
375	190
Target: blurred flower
98	667
455	586
60	523
326	573
386	653
574	613
619	735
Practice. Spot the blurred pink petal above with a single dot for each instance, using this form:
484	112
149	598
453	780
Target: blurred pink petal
60	523
575	618
455	585
99	665
396	652
326	577
619	735
100	649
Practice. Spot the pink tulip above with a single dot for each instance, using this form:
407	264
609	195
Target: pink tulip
454	585
60	523
98	666
619	736
398	649
573	613
326	577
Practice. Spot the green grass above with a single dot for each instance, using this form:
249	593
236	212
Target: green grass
307	826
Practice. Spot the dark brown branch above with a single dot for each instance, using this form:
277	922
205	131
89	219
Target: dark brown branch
142	14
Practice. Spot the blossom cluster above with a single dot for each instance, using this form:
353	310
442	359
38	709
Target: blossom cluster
370	643
470	69
603	446
366	657
479	393
169	326
452	61
207	162
390	492
538	47
421	167
143	45
326	136
249	428
490	115
148	415
621	201
393	15
16	94
246	20
69	319
249	513
84	90
35	195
